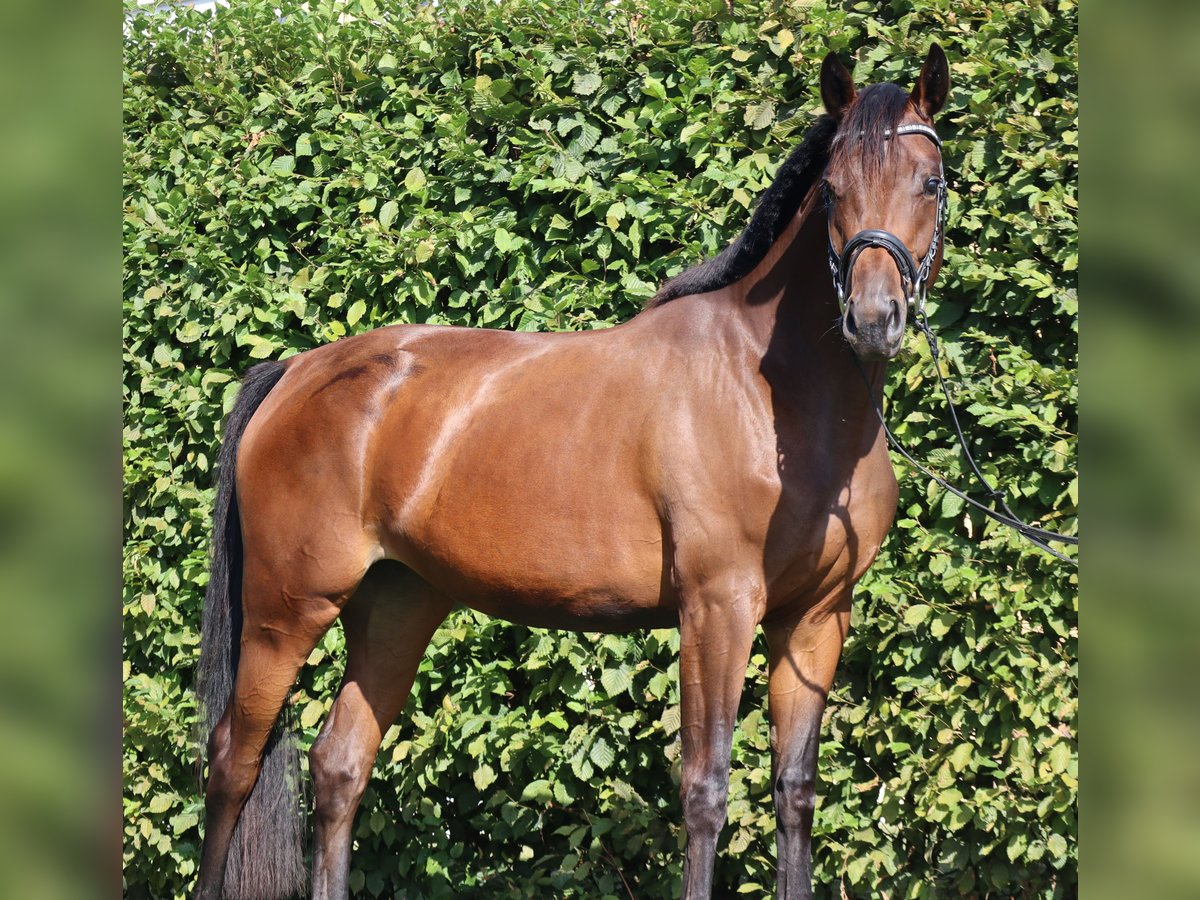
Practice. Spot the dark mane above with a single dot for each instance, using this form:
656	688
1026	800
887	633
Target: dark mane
875	109
775	209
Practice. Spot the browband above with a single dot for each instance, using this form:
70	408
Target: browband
916	128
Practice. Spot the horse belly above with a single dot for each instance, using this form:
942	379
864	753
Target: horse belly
535	573
591	610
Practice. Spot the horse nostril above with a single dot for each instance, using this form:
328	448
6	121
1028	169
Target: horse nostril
851	324
894	316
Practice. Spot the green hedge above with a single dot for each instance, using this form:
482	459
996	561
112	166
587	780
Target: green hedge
297	176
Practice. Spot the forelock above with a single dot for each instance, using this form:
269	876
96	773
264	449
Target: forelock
863	132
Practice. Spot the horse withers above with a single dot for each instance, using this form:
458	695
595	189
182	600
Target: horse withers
714	464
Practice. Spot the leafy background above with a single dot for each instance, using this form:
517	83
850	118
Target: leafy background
293	175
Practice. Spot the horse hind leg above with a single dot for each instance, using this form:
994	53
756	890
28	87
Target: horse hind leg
388	624
253	842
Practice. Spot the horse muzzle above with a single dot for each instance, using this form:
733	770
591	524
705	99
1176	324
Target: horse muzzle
873	318
873	326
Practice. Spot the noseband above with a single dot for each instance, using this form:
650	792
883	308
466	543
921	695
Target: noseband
914	278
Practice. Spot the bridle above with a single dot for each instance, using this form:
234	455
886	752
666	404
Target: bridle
914	278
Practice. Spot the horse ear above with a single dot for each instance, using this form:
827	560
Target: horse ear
837	87
932	84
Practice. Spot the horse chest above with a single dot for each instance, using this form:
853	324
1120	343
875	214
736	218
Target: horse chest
828	526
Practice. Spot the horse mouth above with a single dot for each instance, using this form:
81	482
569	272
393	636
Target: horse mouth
874	347
875	354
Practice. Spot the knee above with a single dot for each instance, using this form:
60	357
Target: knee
795	798
704	804
339	775
227	781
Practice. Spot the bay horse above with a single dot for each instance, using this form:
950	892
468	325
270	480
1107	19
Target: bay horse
713	464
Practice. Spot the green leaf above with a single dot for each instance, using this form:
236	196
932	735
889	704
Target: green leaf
562	794
189	332
961	757
586	83
283	165
940	626
949	798
1057	845
414	180
1060	757
616	681
917	614
355	312
160	803
584	141
960	816
311	714
952	505
615	214
505	241
1016	845
567	167
856	868
760	115
387	214
654	88
537	792
483	777
602	754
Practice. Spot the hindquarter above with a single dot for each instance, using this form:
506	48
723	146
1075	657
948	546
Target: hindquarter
301	468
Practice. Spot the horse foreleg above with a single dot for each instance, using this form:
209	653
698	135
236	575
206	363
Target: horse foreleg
388	624
804	655
717	625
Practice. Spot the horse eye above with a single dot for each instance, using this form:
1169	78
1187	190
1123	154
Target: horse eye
932	185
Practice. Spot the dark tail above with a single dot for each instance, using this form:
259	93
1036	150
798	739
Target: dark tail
266	859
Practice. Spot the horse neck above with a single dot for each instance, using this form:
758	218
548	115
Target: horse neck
788	307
